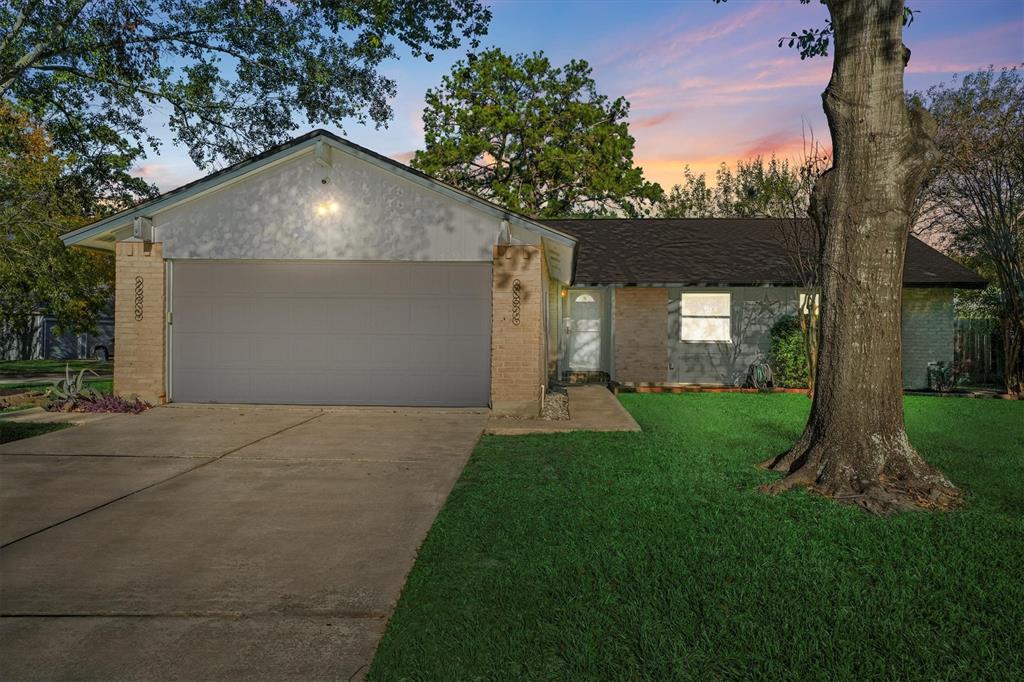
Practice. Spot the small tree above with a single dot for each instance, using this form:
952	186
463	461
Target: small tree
974	203
533	137
772	188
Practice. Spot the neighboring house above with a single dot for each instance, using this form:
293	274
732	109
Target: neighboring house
320	272
50	344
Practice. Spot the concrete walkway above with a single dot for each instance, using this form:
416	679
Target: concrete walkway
199	543
591	408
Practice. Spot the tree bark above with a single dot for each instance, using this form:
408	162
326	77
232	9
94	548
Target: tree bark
854	447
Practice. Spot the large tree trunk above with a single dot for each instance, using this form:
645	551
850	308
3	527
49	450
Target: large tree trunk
854	447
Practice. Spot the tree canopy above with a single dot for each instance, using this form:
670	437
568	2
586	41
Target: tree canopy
38	274
974	202
232	77
533	137
756	188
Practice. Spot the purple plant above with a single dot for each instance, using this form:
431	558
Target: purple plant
112	403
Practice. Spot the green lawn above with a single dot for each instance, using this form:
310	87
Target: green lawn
652	556
10	431
30	367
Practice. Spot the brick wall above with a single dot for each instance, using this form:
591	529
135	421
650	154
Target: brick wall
139	307
518	374
927	332
641	334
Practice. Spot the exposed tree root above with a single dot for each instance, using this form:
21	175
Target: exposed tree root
883	479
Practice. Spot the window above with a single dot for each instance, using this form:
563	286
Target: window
806	303
705	317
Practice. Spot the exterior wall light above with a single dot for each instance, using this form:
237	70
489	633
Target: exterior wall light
327	208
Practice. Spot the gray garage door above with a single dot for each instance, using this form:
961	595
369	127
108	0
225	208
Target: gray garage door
330	333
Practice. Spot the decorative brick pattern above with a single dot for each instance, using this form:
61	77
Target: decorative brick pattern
927	332
518	377
139	306
641	334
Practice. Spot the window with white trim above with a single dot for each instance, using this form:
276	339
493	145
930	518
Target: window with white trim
705	316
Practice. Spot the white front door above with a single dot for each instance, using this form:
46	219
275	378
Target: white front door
583	329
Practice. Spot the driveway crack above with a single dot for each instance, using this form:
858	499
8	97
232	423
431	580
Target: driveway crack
160	482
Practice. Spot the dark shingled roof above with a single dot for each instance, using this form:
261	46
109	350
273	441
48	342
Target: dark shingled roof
717	251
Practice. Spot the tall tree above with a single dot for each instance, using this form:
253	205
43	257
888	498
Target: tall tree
38	274
535	138
854	447
975	201
234	77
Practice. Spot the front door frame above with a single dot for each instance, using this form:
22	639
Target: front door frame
565	331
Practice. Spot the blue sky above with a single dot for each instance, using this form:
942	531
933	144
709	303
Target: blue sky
706	81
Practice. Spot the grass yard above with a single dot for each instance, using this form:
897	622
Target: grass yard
101	385
11	431
28	368
652	556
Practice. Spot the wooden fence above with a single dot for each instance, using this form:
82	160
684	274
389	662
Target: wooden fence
979	344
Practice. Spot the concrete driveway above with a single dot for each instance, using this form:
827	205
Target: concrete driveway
195	542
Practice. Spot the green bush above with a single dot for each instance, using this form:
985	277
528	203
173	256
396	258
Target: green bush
788	355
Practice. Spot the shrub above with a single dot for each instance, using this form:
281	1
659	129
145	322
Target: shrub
788	354
113	403
946	377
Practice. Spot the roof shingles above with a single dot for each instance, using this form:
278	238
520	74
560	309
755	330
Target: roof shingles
717	251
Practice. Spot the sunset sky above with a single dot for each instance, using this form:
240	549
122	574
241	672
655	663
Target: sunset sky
706	81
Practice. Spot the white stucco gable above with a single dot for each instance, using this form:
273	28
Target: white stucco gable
321	197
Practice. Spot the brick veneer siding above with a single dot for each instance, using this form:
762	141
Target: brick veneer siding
927	332
139	360
641	335
518	376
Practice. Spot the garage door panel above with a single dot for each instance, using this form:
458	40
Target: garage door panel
230	350
331	333
390	316
194	315
469	320
429	316
428	352
469	354
269	314
351	351
386	280
470	283
430	281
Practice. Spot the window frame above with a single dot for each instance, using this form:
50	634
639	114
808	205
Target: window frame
728	316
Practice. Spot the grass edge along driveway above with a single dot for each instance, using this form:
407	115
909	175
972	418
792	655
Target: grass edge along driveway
652	556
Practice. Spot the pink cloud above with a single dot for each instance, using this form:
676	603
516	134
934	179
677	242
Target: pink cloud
772	143
652	121
403	157
999	45
167	176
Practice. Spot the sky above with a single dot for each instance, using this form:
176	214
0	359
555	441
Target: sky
706	82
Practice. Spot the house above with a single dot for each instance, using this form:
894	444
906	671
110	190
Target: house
50	343
691	301
320	272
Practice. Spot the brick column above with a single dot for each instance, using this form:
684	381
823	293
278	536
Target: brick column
518	377
641	335
139	306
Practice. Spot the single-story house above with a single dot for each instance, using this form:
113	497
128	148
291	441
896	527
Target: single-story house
52	344
320	272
